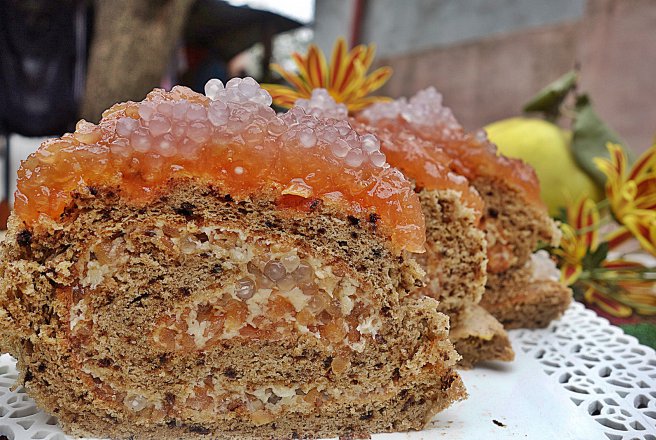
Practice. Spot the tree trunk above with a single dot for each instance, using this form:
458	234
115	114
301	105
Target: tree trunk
132	45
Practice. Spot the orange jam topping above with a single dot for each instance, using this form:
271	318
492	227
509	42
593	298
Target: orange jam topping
472	155
231	138
417	158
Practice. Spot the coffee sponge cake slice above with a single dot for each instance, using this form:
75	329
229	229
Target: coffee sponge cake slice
198	266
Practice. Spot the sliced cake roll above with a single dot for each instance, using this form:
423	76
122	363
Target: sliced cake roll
198	266
515	219
455	258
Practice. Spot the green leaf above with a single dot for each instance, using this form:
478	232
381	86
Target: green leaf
548	100
589	138
645	332
594	259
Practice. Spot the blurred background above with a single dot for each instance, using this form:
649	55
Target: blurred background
70	59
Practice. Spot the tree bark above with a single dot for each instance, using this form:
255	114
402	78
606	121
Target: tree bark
132	45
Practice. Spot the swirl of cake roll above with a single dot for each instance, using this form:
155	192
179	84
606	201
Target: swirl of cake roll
455	258
198	266
515	219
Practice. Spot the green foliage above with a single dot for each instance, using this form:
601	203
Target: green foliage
594	259
645	332
549	100
589	133
589	138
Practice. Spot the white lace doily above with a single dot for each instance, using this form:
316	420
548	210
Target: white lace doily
602	370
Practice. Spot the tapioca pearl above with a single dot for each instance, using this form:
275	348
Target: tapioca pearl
377	158
159	124
125	126
165	108
291	262
213	88
199	132
245	288
275	270
196	112
340	148
147	110
370	143
179	111
307	138
303	273
354	158
141	140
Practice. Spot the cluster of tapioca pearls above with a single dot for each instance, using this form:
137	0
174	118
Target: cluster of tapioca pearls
240	110
424	109
322	105
283	274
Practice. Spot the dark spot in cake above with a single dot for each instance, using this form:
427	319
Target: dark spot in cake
243	211
403	393
314	204
274	426
41	368
327	362
171	423
150	233
342	243
367	416
198	429
354	221
378	366
202	237
295	435
164	358
492	212
138	298
169	398
396	375
354	235
93	190
216	269
184	291
228	198
24	238
373	219
408	403
361	268
498	423
230	373
186	209
28	375
270	224
377	252
105	362
447	381
273	399
380	339
321	231
386	312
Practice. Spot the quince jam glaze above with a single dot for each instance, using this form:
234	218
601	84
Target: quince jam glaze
428	166
229	137
471	155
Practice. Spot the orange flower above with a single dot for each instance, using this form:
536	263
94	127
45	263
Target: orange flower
580	237
622	286
345	79
632	195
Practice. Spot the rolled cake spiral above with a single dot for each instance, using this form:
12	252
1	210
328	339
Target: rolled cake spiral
200	266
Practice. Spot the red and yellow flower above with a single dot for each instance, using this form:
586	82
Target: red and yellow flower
345	78
632	195
618	287
580	237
